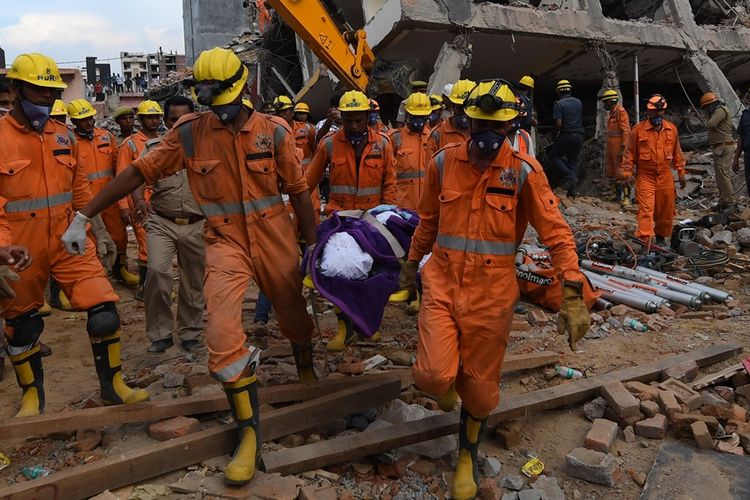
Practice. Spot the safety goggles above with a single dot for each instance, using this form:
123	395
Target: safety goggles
207	90
490	102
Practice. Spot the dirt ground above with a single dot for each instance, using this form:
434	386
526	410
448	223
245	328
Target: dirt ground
70	382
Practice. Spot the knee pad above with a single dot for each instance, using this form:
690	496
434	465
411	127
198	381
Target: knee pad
25	329
103	320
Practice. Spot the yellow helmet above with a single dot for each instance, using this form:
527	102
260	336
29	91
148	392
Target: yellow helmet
301	107
436	100
610	95
563	85
418	104
36	69
354	100
58	108
527	81
224	69
80	108
492	100
149	108
282	102
460	91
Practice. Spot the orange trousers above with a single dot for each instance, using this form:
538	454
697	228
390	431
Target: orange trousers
267	254
115	228
613	158
655	193
81	277
463	331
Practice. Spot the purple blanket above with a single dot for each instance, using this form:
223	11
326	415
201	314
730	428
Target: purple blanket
364	301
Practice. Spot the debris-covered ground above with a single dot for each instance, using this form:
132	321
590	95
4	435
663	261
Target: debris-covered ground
628	421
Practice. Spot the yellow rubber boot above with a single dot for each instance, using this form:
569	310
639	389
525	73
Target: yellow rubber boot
243	400
57	297
114	390
303	358
30	376
466	480
412	307
345	333
120	271
448	401
46	309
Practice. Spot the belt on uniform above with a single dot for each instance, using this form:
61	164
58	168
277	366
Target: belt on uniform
182	221
725	143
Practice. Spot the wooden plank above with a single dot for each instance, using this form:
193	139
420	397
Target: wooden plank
713	378
516	362
159	458
107	416
356	446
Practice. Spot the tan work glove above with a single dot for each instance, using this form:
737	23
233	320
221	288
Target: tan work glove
407	280
574	317
105	247
6	292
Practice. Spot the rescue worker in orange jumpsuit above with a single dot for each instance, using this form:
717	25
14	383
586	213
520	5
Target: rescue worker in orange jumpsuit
410	149
239	163
41	184
474	191
362	176
97	156
435	118
618	135
455	128
651	154
59	112
150	115
304	133
374	120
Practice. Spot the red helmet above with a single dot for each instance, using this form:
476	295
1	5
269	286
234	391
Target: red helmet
657	102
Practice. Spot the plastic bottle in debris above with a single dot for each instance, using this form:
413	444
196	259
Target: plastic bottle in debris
35	472
566	372
636	325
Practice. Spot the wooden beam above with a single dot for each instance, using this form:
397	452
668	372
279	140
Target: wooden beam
107	416
516	362
159	458
356	446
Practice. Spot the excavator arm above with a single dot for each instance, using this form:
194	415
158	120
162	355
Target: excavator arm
344	51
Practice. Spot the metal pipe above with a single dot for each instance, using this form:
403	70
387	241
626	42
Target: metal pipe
671	295
615	270
636	92
707	291
612	282
621	295
603	305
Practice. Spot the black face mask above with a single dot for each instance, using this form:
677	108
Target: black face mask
416	124
36	114
434	117
356	138
84	134
461	122
488	141
227	112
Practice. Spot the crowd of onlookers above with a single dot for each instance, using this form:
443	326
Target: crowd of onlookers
114	84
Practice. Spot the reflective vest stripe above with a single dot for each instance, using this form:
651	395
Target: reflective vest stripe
410	175
236	207
17	206
100	175
365	191
476	246
440	163
525	171
186	138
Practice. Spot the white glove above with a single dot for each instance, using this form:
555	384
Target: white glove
105	247
74	238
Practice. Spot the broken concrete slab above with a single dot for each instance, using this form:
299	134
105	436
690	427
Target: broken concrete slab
453	58
592	466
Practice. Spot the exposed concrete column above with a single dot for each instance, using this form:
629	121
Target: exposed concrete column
595	9
453	58
707	73
211	23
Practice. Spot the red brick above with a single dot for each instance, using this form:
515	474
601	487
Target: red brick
351	368
653	428
602	435
702	436
745	440
509	434
87	439
173	428
628	434
520	326
620	400
649	408
683	392
725	393
739	413
743	391
683	421
684	372
720	412
394	471
643	391
536	317
728	448
668	403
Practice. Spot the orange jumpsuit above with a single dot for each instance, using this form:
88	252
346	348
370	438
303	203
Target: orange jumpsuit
304	138
42	185
130	149
355	186
410	151
618	134
238	181
444	134
653	154
98	159
467	221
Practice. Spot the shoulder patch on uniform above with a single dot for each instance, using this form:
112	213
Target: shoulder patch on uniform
530	160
